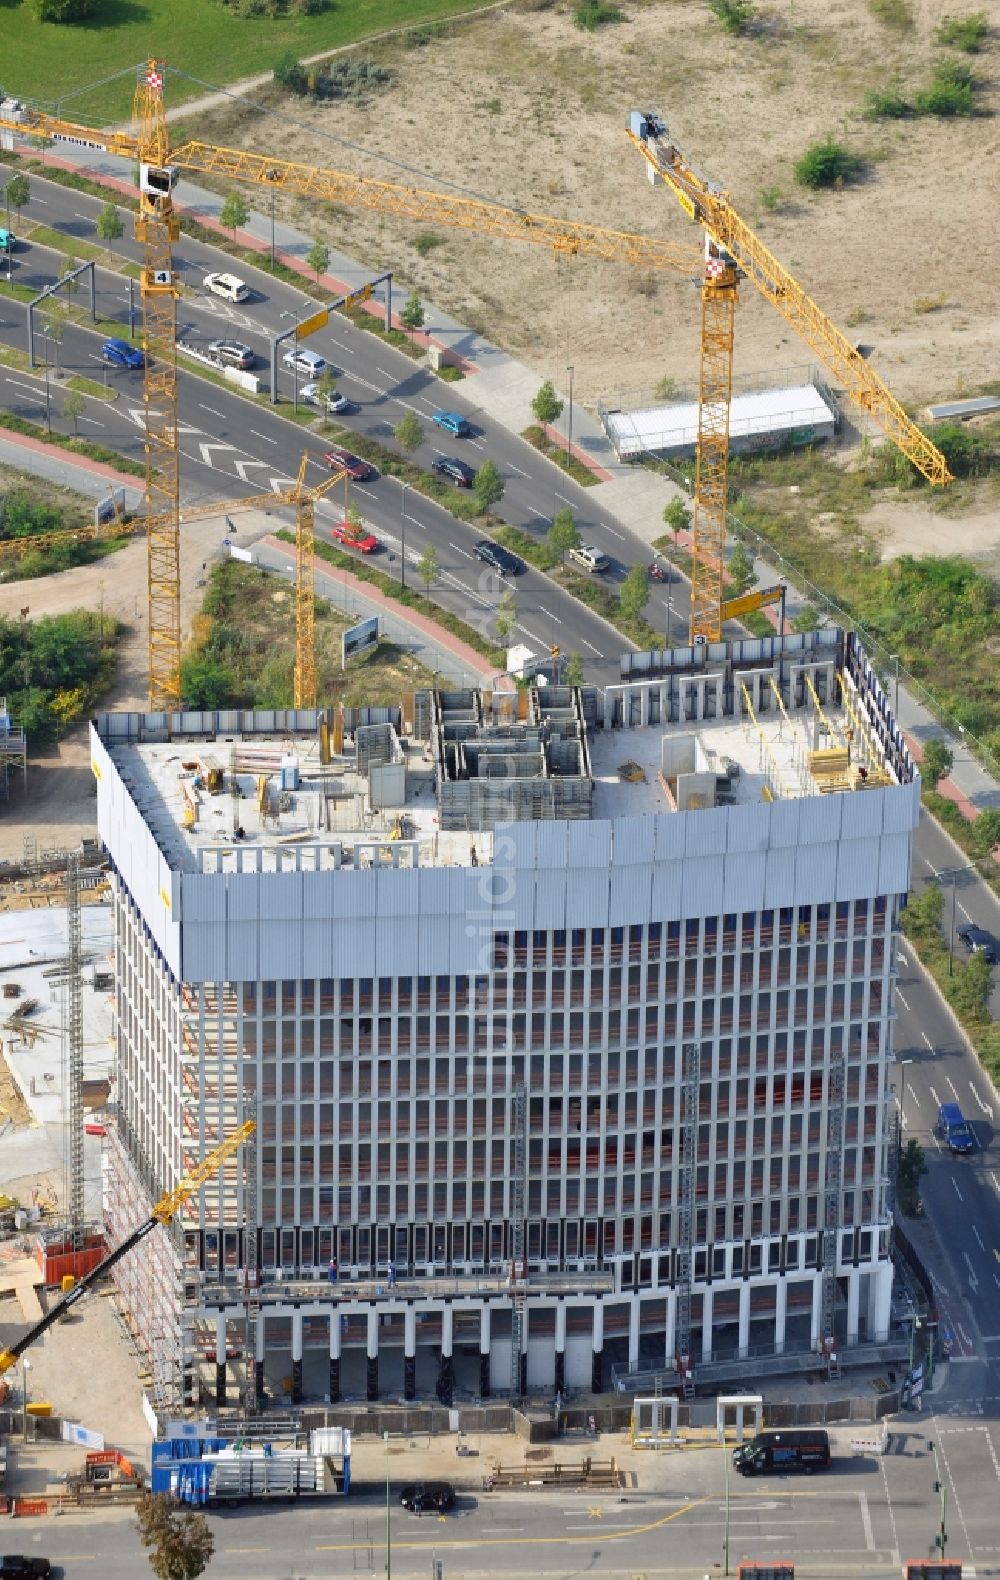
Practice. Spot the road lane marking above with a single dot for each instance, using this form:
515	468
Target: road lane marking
92	421
542	610
954	1089
923	1033
619	535
220	414
979	1237
537	513
536	1541
902	1000
958	1193
464	552
866	1522
517	469
366	491
590	645
30	388
265	436
563	498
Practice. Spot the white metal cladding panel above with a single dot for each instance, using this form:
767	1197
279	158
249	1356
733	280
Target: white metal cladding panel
784	822
589	844
353	896
898	814
281	948
317	948
819	818
779	880
857	869
204	953
633	840
894	864
522	836
815	874
748	827
703	886
433	891
515	902
461	938
434	944
586	898
670	834
280	896
665	899
551	845
862	813
243	962
397	951
242	895
631	894
353	948
470	890
203	897
398	891
550	901
135	853
705	834
745	874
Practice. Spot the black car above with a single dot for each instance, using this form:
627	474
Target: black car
455	471
499	559
979	942
419	1496
14	1566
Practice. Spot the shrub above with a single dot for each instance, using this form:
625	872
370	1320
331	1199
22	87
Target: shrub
427	241
827	164
592	14
770	199
893	13
886	105
735	15
964	32
950	92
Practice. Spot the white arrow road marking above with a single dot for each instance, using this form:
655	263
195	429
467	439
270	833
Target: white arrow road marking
973	1280
241	467
279	484
206	451
985	1107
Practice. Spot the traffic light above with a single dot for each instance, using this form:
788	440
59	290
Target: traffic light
554	652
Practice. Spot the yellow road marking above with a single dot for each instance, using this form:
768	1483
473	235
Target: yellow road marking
534	1541
595	1514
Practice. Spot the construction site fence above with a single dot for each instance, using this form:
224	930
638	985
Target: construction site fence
539	1425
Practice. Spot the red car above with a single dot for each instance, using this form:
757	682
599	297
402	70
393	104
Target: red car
353	537
344	460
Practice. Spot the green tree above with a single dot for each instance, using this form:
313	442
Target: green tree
807	619
73	407
546	404
563	534
573	670
110	226
318	258
178	1542
409	432
634	592
677	515
429	566
742	575
986	831
827	164
912	1166
412	315
234	213
64	10
18	192
206	682
354	517
936	761
922	917
505	618
72	285
327	382
968	988
489	487
665	388
54	326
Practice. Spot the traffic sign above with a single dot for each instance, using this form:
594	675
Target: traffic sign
309	325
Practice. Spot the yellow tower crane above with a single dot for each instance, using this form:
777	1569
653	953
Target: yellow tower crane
733	252
157	226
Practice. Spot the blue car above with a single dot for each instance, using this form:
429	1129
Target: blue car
121	355
452	422
955	1129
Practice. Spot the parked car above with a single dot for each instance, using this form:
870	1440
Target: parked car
806	1449
338	459
121	355
499	559
308	362
588	558
232	353
979	942
14	1566
354	537
334	402
455	471
954	1129
452	422
421	1495
8	241
228	286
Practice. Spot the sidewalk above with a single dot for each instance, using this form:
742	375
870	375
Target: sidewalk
503	388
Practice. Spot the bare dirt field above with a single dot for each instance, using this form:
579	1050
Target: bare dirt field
524	107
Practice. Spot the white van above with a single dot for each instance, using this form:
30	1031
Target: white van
227	285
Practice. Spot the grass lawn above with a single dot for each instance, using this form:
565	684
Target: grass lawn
42	59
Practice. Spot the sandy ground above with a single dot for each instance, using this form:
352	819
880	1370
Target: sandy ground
538	120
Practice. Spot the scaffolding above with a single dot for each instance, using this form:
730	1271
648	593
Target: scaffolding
517	1267
832	1203
73	1006
13	751
690	1091
251	1268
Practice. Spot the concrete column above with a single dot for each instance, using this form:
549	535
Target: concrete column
633	1334
597	1373
372	1389
258	1365
296	1357
708	1301
853	1293
780	1314
335	1355
410	1353
446	1381
669	1341
879	1302
817	1312
561	1347
220	1361
484	1352
743	1339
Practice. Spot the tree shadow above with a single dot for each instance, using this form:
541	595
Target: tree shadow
113	13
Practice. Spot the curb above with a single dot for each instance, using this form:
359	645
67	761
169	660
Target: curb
73	458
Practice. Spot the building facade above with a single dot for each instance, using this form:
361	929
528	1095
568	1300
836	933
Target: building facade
567	1033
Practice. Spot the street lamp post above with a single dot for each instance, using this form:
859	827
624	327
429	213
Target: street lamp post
894	660
941	1538
402	534
272	230
725	1544
48	407
569	436
388	1527
899	1134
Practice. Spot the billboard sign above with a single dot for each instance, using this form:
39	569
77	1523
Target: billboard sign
359	638
111	508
